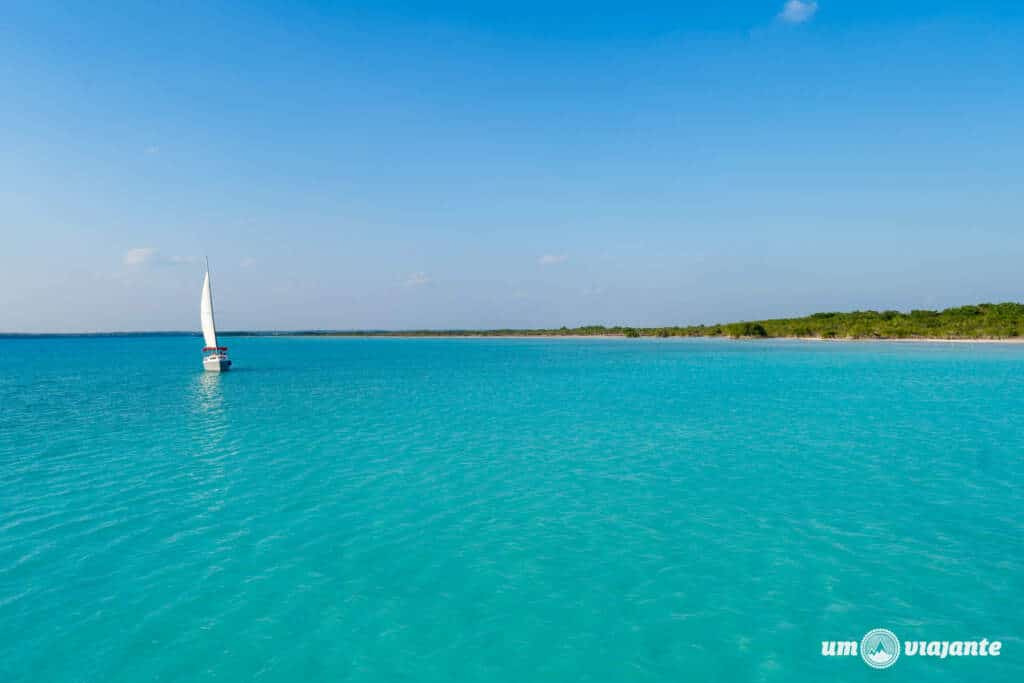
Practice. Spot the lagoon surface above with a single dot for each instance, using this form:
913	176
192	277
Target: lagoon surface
506	509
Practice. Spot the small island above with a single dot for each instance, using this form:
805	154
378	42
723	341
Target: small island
986	322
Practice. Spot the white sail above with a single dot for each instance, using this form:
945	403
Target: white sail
206	314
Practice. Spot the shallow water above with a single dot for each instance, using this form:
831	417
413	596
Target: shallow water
505	510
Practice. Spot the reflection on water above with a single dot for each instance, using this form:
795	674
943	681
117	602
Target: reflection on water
209	398
210	446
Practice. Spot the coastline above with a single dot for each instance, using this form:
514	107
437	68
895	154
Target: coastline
923	340
441	335
911	340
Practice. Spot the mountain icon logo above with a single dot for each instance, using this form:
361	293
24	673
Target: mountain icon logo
880	648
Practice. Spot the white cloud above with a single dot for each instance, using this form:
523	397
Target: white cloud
418	280
153	149
798	11
139	256
248	262
552	259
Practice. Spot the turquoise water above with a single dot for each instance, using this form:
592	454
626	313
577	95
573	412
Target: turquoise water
505	510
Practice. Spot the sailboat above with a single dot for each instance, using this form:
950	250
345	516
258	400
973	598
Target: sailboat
216	357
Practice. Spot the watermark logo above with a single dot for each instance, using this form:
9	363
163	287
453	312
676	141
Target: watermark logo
880	648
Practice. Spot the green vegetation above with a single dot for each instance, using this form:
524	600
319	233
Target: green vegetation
984	321
740	330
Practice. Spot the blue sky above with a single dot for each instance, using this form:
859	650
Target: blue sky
463	164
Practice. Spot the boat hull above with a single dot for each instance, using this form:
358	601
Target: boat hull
216	364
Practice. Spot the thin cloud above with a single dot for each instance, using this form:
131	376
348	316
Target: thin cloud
139	256
417	280
798	11
153	149
552	259
248	262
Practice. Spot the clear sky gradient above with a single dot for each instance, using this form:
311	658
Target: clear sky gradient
464	164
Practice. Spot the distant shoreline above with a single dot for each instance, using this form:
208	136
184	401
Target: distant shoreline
979	324
982	323
484	335
400	335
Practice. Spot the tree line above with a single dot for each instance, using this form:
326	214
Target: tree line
982	321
